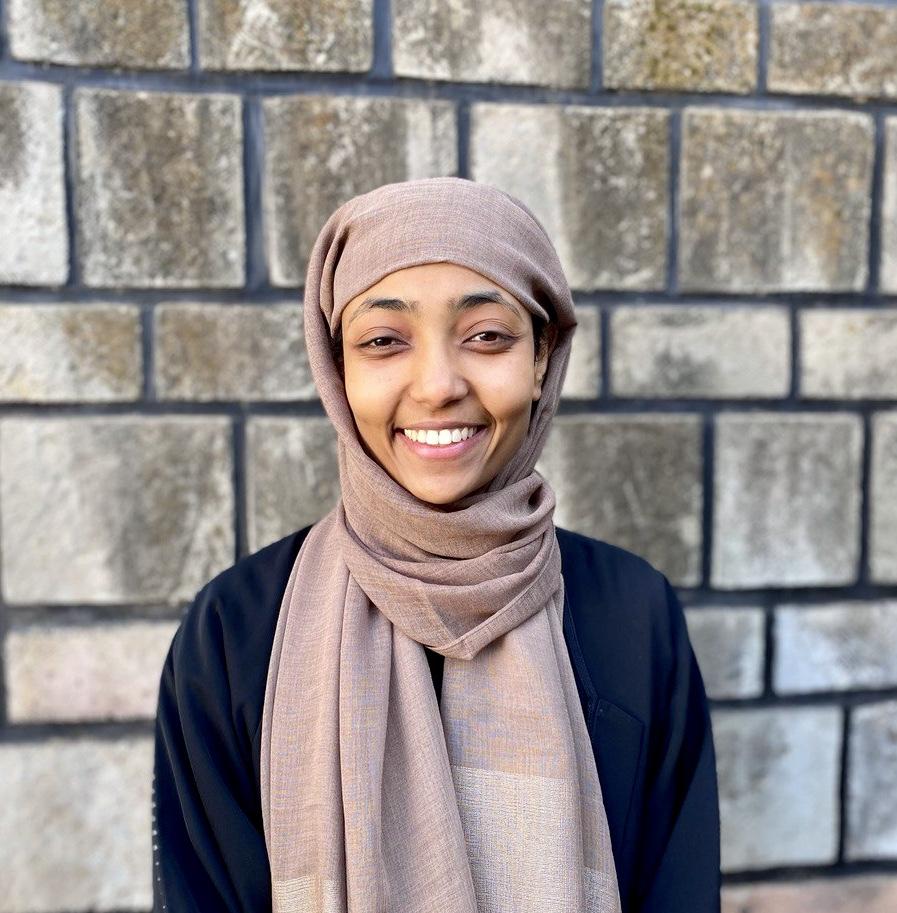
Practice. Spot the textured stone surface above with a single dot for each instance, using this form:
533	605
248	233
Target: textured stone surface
571	163
285	35
111	509
778	772
321	151
694	45
889	210
506	41
835	646
160	189
849	353
854	894
728	642
700	351
85	672
883	499
833	49
125	33
786	500
75	821
872	782
633	480
774	200
66	353
583	378
231	352
292	478
35	246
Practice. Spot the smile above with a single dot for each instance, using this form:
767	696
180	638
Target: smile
441	451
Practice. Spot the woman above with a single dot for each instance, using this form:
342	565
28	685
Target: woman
433	699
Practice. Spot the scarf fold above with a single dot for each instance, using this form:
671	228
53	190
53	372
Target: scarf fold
376	798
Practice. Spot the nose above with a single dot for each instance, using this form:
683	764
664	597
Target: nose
437	377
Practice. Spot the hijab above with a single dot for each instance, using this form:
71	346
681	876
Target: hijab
376	798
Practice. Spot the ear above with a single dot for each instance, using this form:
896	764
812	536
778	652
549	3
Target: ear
541	364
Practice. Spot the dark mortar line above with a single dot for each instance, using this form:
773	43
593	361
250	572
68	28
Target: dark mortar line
69	172
763	35
265	293
4	33
843	781
166	408
873	248
462	126
238	474
857	697
373	84
605	343
193	35
798	873
256	267
674	147
769	652
25	733
795	359
864	570
381	64
708	455
596	75
72	616
148	349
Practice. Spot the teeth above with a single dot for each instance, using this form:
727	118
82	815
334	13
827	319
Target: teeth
439	438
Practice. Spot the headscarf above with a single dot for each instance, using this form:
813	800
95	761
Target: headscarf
376	798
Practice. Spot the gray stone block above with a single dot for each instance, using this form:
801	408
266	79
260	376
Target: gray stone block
883	499
70	353
595	177
786	499
111	509
121	33
849	353
847	894
728	642
160	189
889	210
700	351
75	823
583	378
506	41
778	771
833	49
292	475
835	646
633	480
680	45
35	248
231	352
324	150
872	782
70	673
285	35
774	200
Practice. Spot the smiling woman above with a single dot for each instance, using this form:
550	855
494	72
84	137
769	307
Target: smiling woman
442	381
434	700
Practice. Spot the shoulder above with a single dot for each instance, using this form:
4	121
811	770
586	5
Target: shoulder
626	620
231	622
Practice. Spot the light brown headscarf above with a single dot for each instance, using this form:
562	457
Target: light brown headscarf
375	798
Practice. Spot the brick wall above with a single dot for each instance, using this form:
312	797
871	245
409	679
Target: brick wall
720	179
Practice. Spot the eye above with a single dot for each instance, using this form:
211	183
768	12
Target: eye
370	343
500	337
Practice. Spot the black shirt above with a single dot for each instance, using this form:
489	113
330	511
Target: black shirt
642	696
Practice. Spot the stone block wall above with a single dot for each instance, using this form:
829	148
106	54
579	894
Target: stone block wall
720	180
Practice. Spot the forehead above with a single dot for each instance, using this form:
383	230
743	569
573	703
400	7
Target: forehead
446	287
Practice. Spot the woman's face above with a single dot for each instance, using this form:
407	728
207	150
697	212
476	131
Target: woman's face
443	352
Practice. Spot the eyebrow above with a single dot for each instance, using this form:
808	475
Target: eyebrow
457	305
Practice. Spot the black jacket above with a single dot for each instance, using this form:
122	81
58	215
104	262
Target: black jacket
642	695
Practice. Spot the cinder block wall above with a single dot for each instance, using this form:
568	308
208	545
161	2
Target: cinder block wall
720	179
